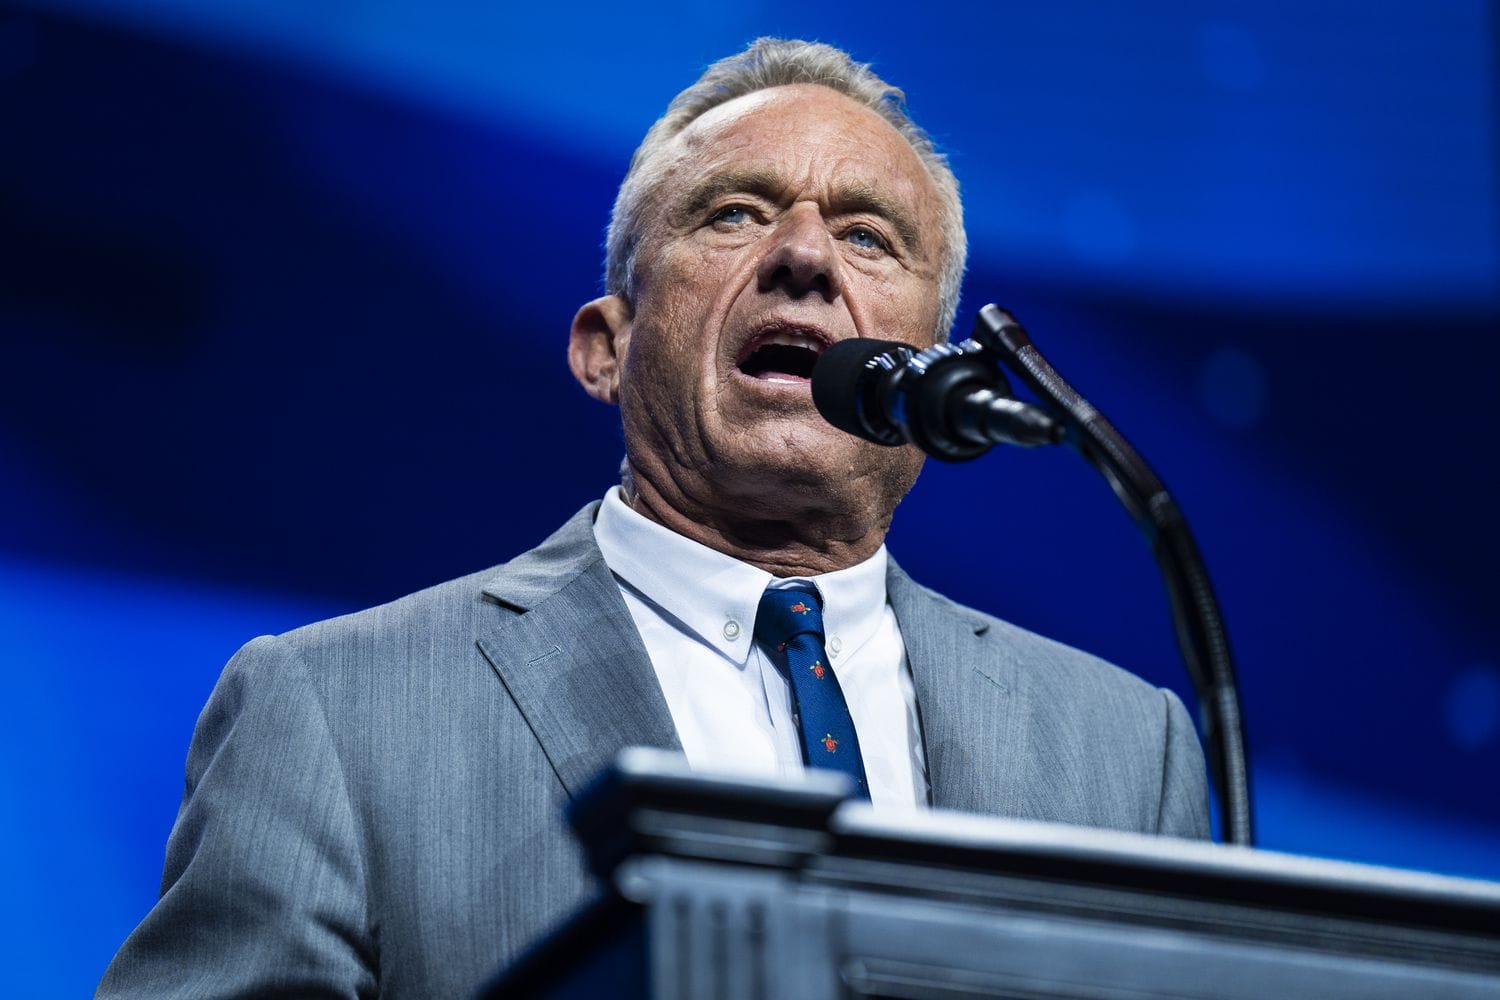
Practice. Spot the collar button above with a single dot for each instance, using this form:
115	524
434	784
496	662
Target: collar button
731	629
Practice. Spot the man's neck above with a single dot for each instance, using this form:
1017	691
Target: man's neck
804	542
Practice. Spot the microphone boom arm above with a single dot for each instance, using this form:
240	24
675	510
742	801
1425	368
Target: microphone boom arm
1199	626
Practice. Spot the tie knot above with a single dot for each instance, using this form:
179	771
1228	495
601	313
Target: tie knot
786	614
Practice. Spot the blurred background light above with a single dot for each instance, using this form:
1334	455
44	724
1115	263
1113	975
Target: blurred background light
284	289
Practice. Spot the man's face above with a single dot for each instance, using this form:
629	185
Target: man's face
786	220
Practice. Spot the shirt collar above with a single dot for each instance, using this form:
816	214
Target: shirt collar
705	590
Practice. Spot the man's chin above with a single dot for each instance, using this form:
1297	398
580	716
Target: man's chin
790	439
805	460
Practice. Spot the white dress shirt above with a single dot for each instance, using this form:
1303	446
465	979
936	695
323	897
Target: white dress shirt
695	610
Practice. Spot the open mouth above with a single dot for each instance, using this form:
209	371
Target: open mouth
781	355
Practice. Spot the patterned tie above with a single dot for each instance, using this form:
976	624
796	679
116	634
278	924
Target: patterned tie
790	623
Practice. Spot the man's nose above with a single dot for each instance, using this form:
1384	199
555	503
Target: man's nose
802	259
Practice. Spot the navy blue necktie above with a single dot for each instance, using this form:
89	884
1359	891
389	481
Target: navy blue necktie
790	622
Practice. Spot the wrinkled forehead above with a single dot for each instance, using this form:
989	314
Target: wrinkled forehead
805	98
788	112
801	130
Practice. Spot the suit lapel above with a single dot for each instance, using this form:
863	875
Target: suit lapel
575	666
572	660
971	699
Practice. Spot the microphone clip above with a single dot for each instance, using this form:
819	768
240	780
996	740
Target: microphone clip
937	388
950	400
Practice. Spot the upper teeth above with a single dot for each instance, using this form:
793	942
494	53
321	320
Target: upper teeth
791	338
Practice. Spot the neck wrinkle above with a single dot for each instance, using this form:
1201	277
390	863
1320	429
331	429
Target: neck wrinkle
781	547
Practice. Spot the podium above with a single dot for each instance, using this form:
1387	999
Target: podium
747	890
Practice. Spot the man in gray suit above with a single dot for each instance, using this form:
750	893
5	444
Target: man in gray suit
374	804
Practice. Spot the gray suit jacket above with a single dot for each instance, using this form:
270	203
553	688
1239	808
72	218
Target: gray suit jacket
374	803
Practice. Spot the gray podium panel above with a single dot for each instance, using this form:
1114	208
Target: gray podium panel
728	888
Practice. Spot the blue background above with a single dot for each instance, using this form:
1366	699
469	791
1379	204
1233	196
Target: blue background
284	290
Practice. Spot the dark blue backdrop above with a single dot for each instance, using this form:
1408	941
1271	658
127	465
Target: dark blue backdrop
284	290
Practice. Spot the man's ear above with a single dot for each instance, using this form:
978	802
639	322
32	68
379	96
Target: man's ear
597	344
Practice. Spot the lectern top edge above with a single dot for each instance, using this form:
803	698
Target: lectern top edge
650	802
854	821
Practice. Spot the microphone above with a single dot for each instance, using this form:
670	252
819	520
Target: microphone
948	400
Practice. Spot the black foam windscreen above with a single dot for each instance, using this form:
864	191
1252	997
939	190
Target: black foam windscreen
841	378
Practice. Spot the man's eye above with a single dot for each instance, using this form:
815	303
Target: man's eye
733	215
866	238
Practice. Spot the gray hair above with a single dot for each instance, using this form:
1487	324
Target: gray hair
775	62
